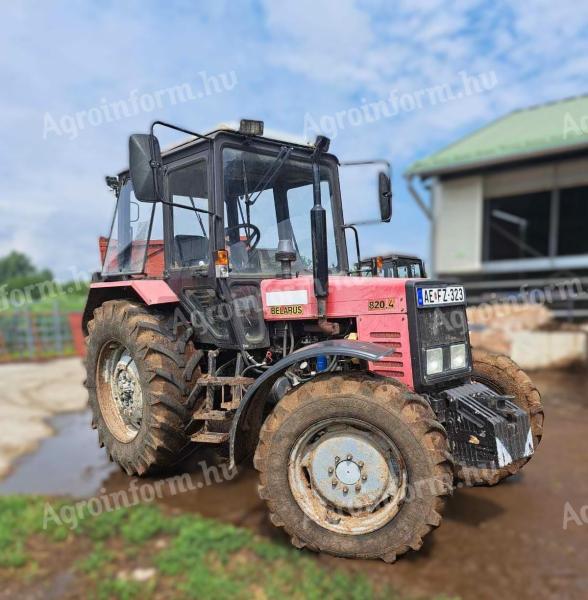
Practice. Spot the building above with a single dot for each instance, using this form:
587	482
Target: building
509	207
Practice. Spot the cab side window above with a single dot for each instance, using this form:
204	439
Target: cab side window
188	189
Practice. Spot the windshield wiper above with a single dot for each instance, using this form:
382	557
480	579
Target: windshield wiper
266	180
270	174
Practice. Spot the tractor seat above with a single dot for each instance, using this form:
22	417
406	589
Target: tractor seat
192	250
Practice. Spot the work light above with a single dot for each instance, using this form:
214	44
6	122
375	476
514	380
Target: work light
434	361
250	127
458	356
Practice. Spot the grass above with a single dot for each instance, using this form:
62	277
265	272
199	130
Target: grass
191	557
66	302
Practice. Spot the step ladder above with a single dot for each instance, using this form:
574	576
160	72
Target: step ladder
232	390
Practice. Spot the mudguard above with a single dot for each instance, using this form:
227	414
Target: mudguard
150	291
256	394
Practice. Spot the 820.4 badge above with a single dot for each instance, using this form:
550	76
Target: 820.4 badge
383	304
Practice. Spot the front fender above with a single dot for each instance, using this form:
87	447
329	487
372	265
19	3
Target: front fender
256	394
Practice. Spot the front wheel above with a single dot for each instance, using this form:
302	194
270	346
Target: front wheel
354	466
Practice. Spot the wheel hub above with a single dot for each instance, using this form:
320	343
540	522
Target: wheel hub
126	388
347	476
348	472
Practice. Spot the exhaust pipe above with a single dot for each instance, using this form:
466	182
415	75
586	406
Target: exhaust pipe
318	226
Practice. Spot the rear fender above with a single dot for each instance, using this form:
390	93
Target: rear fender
247	421
152	292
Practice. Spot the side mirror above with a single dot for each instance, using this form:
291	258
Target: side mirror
145	167
385	194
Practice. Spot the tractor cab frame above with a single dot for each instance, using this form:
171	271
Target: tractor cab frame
393	265
230	202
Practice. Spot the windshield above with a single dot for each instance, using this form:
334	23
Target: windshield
129	235
268	198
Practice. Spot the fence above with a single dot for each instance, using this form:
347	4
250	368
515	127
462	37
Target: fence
35	335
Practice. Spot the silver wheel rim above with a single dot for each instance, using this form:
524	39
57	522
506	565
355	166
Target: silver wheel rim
347	476
119	392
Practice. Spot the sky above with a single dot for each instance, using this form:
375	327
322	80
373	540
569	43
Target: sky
78	78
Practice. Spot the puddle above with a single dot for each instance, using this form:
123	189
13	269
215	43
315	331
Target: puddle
70	463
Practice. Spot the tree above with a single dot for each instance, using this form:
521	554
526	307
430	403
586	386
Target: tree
15	264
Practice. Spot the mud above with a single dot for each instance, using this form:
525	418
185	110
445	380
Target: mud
506	541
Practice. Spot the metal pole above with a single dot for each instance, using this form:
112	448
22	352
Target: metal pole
30	336
57	328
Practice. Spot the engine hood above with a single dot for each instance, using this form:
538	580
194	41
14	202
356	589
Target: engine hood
348	297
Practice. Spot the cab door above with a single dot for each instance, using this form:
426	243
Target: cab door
190	234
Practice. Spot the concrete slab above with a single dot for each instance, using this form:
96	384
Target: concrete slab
533	350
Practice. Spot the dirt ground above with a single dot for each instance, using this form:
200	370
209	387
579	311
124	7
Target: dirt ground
507	541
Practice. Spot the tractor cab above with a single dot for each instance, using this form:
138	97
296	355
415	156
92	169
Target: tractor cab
235	192
393	265
219	214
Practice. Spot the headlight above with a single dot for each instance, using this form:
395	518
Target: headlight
434	361
458	356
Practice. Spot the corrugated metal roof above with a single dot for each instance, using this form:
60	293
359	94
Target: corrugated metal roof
535	131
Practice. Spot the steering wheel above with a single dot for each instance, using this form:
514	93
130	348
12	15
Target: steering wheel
253	234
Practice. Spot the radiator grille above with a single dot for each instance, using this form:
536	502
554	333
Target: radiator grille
393	365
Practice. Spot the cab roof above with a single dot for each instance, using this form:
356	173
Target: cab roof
233	129
230	127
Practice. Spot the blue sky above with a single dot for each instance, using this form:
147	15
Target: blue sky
292	63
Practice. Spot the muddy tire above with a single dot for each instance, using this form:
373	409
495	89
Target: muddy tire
504	376
139	375
354	415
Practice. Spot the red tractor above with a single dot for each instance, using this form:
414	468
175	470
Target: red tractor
226	315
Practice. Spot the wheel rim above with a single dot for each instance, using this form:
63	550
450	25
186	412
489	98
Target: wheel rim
347	476
119	391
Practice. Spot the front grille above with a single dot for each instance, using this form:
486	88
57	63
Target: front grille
442	325
392	333
390	366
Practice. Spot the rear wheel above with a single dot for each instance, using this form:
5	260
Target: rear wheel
139	375
354	466
504	376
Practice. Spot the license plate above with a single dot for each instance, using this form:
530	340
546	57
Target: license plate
440	296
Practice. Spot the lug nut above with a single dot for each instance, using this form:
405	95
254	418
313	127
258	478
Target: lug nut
345	490
358	488
363	477
331	470
337	459
360	464
334	483
349	457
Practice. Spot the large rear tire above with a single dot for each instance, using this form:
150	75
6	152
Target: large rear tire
504	376
139	376
354	466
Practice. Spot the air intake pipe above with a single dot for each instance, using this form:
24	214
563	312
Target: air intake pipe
318	225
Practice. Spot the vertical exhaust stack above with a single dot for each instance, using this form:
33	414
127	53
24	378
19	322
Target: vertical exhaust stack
318	224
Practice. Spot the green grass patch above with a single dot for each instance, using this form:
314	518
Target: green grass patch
65	299
194	557
122	590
